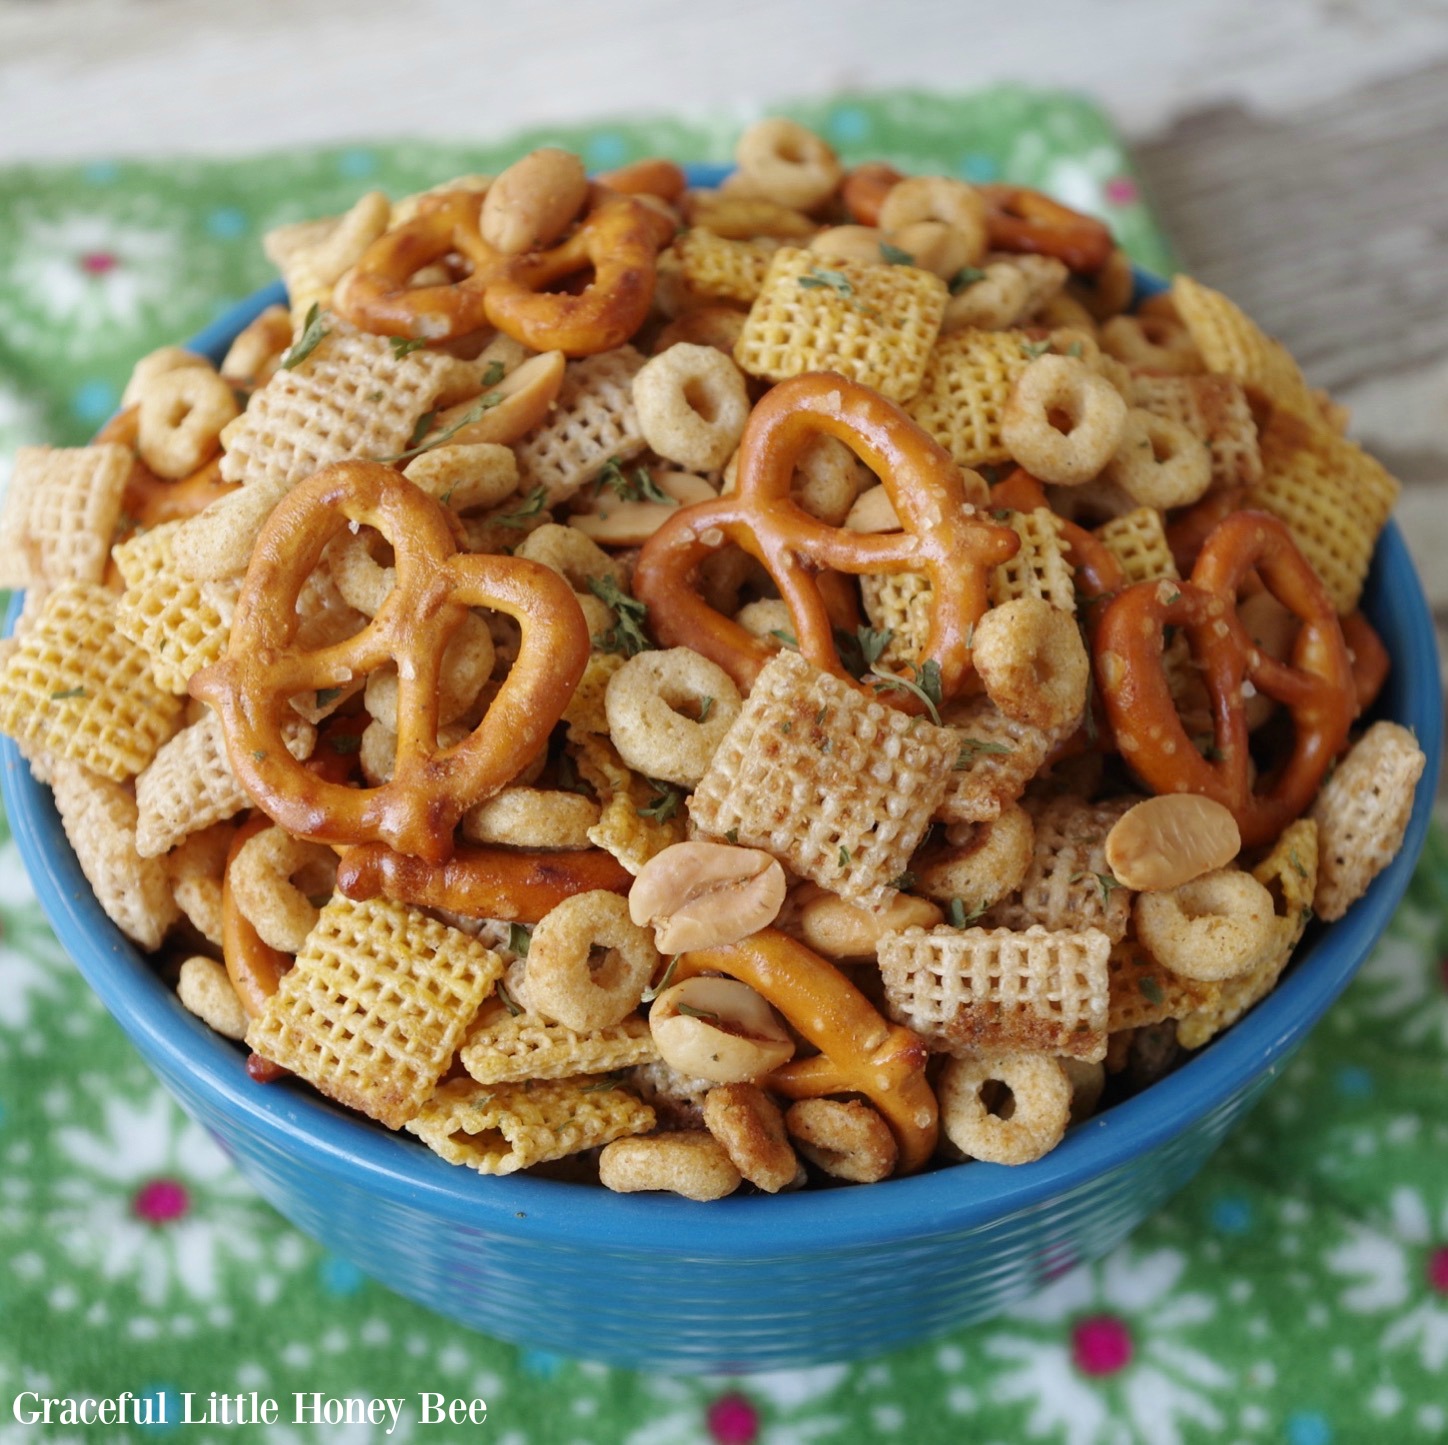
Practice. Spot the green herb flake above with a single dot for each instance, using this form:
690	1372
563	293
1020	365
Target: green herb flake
627	635
972	748
326	696
844	856
1075	349
603	1083
663	805
957	917
404	345
788	638
690	1012
66	693
895	256
1032	349
786	727
312	333
819	279
705	708
1107	882
654	990
1296	862
640	487
518	939
732	836
822	714
966	276
925	684
533	504
508	1001
494	373
259	755
1175	597
904	880
1150	989
344	743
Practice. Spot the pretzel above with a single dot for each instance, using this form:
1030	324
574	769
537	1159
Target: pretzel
943	538
865	188
618	238
859	1051
482	882
1020	219
252	686
1316	687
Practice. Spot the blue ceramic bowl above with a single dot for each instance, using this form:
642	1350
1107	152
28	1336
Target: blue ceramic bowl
745	1283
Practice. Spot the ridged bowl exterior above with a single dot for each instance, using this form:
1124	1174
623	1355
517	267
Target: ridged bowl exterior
744	1283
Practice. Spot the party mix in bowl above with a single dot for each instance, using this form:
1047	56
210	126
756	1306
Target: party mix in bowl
789	682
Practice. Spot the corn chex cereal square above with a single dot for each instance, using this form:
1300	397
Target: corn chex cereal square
964	390
898	603
77	688
993	989
873	324
1143	992
60	508
636	819
99	818
1289	872
1137	540
1231	343
501	1128
1069	883
834	784
375	1006
1333	496
717	269
1216	411
502	1047
353	396
996	756
1040	567
592	420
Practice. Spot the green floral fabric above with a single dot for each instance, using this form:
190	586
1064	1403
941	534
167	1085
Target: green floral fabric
1297	1292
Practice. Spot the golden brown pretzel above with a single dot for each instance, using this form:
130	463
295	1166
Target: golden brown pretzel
482	882
1317	687
864	190
431	787
1020	219
943	536
859	1052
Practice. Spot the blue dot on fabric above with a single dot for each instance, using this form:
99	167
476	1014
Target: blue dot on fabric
977	166
1353	1081
1308	1427
848	123
226	223
94	400
356	163
605	150
1232	1214
172	1400
542	1364
100	173
339	1276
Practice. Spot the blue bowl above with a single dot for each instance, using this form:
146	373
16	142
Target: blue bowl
752	1283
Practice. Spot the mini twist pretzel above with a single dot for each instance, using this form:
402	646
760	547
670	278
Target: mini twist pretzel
1316	686
860	1052
1020	219
431	787
942	537
619	238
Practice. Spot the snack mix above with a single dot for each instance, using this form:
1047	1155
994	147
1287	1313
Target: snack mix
778	684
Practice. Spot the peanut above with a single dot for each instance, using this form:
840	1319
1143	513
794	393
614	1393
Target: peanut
1167	841
720	1030
532	202
706	895
841	930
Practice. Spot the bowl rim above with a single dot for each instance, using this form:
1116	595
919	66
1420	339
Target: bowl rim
289	1118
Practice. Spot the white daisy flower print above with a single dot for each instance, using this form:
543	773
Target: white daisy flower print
1404	982
1102	1355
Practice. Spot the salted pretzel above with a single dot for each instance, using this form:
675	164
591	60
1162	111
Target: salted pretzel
1370	661
943	536
618	239
859	1051
431	787
482	882
1317	687
1020	219
864	190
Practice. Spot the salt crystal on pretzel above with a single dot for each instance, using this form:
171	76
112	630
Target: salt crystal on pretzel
77	688
1362	814
1333	496
1040	568
839	787
715	269
501	1128
99	818
1215	410
1289	872
1233	344
189	784
964	391
998	989
592	422
375	1006
60	509
636	819
1137	540
502	1047
873	324
1069	883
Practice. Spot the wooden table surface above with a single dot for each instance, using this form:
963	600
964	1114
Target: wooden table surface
1296	151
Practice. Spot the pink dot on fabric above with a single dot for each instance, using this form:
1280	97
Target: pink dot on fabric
1438	1269
97	263
1101	1345
161	1201
733	1421
1121	190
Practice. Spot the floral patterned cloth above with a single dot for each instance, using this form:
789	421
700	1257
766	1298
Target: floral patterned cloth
1297	1292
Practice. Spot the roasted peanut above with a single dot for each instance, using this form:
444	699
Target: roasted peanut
842	930
1166	841
706	895
532	202
720	1030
